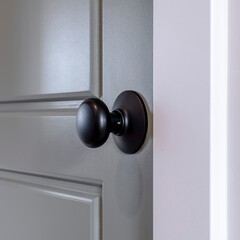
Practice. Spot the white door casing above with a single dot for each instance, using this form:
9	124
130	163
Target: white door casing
195	98
181	120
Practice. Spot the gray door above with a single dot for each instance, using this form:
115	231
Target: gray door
53	55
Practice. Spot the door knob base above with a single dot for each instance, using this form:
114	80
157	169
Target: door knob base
135	119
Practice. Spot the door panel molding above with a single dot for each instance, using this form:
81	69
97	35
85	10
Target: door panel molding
82	95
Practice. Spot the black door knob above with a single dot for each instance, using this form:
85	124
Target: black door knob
128	122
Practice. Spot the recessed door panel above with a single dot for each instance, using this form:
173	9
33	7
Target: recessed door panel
42	137
49	49
57	211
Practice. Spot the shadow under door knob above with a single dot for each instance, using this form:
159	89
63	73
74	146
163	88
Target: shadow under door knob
128	122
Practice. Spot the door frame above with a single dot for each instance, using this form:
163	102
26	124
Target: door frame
188	89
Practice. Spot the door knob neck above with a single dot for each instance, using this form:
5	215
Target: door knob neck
117	122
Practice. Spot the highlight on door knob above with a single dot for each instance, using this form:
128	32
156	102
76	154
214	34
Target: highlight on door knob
128	122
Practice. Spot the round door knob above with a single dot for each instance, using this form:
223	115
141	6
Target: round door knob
128	122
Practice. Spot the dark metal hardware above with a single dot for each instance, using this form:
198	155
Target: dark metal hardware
128	122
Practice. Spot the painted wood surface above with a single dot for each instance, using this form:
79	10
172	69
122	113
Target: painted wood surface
38	137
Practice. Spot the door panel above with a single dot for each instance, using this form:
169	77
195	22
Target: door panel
38	107
49	49
42	137
56	211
